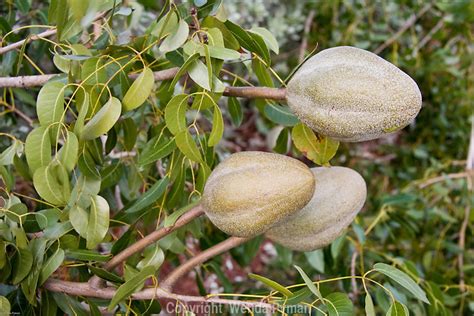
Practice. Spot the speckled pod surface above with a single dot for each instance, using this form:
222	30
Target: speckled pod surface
340	194
353	95
251	191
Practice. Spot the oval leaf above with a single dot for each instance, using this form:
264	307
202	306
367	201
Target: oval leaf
48	186
187	146
50	103
67	155
103	120
175	113
177	37
217	127
38	148
51	265
98	223
139	90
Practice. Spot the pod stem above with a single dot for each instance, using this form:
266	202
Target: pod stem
202	257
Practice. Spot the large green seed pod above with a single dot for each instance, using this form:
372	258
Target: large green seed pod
251	191
353	95
340	194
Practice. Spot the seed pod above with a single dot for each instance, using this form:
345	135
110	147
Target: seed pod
353	95
251	191
340	194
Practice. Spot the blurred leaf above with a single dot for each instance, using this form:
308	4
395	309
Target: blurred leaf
235	111
86	255
310	284
402	279
272	284
398	309
156	149
280	115
268	37
369	306
139	90
5	307
316	259
339	304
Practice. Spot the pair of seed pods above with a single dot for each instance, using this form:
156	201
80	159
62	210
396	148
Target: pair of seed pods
346	93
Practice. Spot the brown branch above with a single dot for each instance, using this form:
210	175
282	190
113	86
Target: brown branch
31	38
459	175
307	28
195	212
84	289
243	92
207	254
408	23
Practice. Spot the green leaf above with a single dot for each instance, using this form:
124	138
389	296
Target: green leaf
280	115
103	120
182	69
177	37
369	306
79	220
250	41
67	155
319	150
69	305
149	197
130	133
310	284
403	279
316	259
84	189
175	113
157	148
223	53
165	25
98	223
200	75
339	304
51	265
23	266
187	146
57	230
38	148
81	117
86	255
5	307
93	71
268	37
8	155
235	111
272	284
153	256
47	184
106	275
217	127
139	90
50	103
129	287
398	309
262	72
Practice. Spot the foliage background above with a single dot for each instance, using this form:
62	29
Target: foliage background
409	220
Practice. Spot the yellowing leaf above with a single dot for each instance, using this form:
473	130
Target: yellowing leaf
139	90
319	150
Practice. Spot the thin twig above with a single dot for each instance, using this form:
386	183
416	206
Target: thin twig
450	176
408	23
189	265
355	290
243	92
34	37
84	289
307	28
195	212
